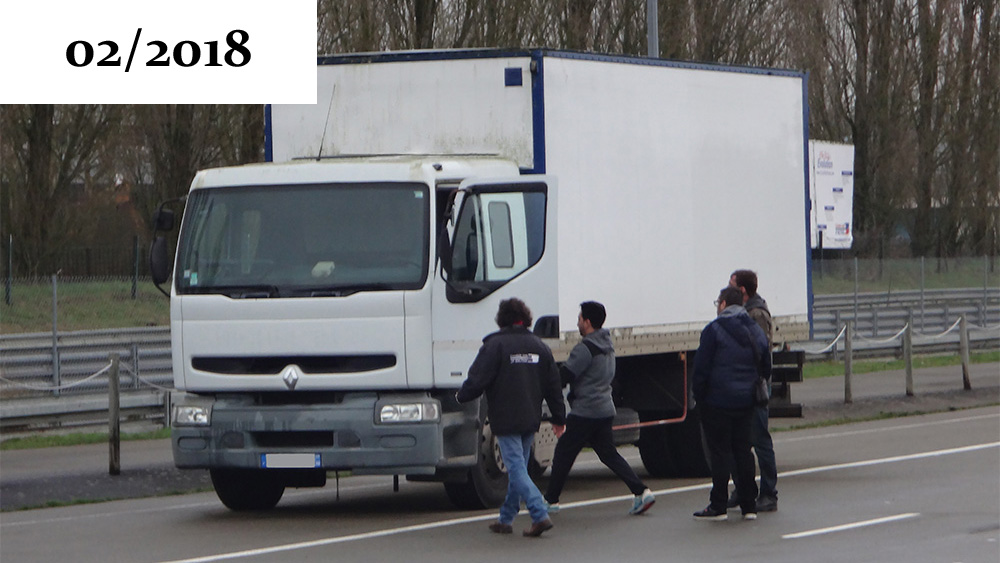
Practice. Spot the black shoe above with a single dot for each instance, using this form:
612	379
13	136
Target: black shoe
501	528
710	514
537	528
767	504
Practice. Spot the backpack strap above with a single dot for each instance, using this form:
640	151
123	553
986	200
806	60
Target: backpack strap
595	350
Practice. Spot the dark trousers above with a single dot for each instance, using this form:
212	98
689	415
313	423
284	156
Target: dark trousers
763	446
581	431
727	432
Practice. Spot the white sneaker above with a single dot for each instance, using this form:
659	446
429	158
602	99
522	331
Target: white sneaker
750	516
641	503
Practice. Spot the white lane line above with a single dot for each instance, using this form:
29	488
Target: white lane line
893	459
851	526
580	504
341	539
878	430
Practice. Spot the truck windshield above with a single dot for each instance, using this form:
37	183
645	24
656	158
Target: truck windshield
302	241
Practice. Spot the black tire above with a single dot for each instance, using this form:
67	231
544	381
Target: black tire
655	452
485	485
687	441
247	489
535	470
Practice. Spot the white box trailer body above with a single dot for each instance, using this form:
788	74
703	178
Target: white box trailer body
673	176
635	182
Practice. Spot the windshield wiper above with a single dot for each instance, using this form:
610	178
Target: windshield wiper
258	291
338	290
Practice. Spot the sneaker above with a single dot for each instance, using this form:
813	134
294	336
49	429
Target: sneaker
552	508
749	515
710	514
767	504
641	503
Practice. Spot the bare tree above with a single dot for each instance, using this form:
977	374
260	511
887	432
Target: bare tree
52	155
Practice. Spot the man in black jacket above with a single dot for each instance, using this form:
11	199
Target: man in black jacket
516	371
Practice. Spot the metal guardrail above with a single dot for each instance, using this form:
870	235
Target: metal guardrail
45	383
882	314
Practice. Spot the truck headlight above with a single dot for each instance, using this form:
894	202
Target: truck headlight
395	413
192	415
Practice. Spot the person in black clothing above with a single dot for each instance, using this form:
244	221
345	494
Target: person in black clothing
516	371
725	369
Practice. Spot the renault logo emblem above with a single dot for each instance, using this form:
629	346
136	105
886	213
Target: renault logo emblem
290	376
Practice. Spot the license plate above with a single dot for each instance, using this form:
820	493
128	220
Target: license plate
290	461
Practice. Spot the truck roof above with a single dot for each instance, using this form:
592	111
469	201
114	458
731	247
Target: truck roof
431	169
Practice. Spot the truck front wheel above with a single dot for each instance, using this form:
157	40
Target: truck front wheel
247	489
486	483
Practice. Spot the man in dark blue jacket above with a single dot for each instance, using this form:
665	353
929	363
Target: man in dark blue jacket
516	371
731	355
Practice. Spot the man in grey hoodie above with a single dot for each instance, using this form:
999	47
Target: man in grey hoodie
589	371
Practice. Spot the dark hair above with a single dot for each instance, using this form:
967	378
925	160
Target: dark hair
513	311
747	279
731	295
593	312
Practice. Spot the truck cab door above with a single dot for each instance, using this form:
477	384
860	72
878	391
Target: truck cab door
502	245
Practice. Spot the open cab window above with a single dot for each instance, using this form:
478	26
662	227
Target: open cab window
499	233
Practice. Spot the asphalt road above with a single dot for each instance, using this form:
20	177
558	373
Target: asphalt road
914	489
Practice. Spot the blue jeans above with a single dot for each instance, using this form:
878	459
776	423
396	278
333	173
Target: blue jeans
515	450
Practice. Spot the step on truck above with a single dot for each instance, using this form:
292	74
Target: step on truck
326	304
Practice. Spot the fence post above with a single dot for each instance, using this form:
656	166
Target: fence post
986	285
56	376
848	362
963	339
922	327
836	322
908	354
114	418
855	288
135	365
135	264
9	282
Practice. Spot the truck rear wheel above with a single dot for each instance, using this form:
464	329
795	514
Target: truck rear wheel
674	450
247	489
654	449
486	483
687	441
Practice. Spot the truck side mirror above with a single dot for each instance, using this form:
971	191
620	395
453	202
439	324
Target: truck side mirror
159	261
163	220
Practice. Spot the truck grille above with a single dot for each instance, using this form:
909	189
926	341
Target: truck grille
272	365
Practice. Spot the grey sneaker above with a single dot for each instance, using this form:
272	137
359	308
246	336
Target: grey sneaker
767	504
552	508
641	503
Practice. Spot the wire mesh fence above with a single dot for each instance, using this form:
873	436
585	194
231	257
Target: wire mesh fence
873	275
59	303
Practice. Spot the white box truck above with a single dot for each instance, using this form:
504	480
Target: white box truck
326	305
